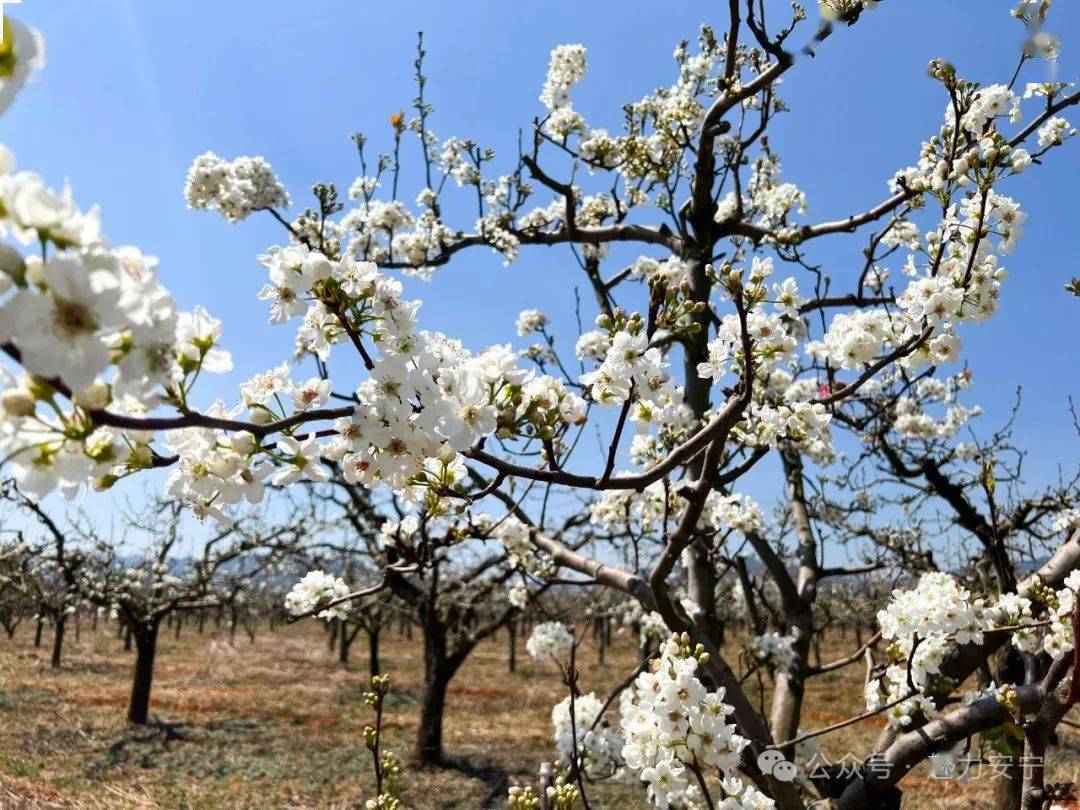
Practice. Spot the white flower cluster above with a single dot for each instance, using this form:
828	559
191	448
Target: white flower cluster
1054	132
796	422
518	596
550	640
315	589
236	188
923	622
426	401
912	422
1056	640
33	213
617	508
1066	520
599	746
94	322
938	609
633	371
771	201
592	345
516	538
217	469
955	277
393	532
988	103
773	649
738	512
834	9
530	320
671	272
672	723
566	68
652	627
646	511
381	231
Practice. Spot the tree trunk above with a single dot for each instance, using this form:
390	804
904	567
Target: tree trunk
58	639
1008	788
438	670
429	748
373	652
39	630
202	622
127	639
511	663
332	641
345	640
146	648
798	620
753	618
179	624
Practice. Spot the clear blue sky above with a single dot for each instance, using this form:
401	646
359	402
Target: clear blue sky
133	90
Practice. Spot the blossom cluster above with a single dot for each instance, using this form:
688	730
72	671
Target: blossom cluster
647	511
550	640
93	325
922	624
516	538
427	398
773	649
634	372
599	746
673	724
235	188
318	588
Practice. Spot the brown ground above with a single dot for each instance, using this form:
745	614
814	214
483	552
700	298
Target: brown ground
278	723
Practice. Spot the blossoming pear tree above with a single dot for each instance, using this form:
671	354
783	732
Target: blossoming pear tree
458	579
709	357
143	575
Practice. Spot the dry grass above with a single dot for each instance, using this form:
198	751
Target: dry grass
277	723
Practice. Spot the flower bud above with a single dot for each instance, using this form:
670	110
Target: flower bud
141	456
35	271
18	402
261	416
95	396
12	265
243	443
104	483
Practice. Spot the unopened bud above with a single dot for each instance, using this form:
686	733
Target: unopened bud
35	271
243	443
104	483
141	456
18	402
95	396
261	416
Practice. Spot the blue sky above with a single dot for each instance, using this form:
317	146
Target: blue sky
134	90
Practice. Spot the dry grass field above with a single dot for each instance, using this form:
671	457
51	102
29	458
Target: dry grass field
277	724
